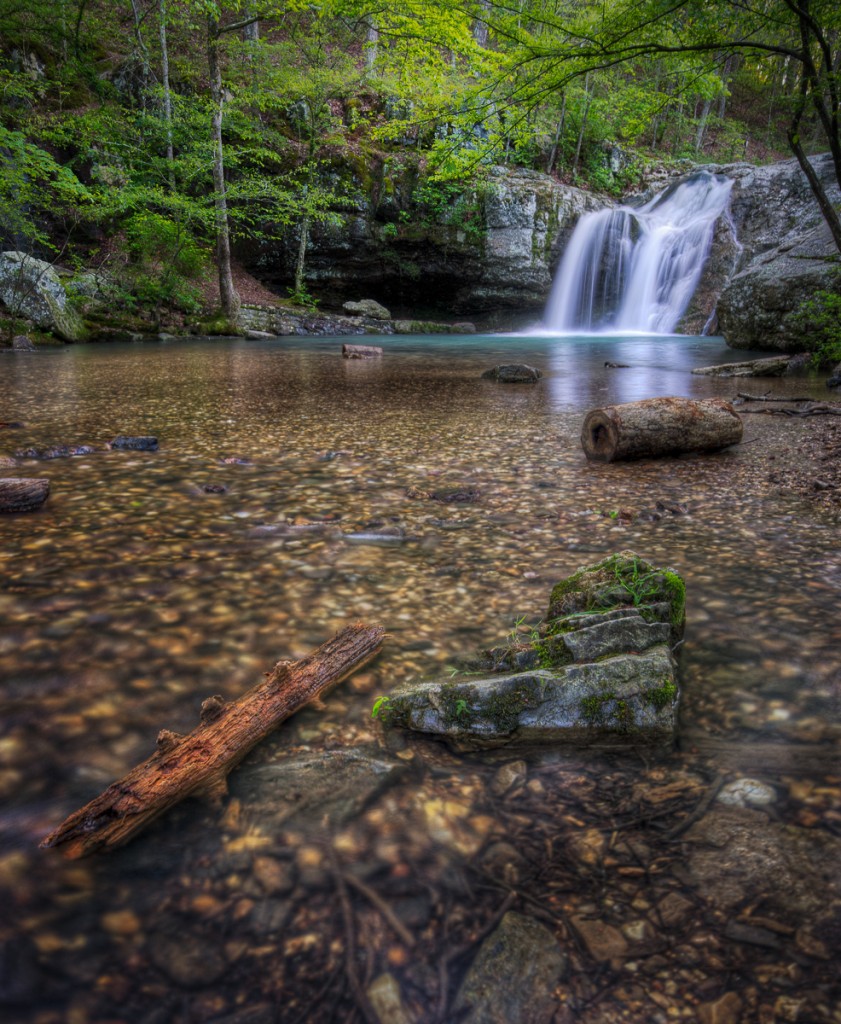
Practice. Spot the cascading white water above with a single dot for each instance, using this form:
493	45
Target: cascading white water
628	269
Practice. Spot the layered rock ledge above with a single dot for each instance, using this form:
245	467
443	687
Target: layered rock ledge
599	670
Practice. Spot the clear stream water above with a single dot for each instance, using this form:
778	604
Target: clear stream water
135	593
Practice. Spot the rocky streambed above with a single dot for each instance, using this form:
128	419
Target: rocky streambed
366	872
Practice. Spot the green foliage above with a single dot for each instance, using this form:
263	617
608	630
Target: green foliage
456	204
301	297
381	708
820	317
33	186
167	262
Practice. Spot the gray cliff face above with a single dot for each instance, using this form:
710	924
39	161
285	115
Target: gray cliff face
787	254
498	256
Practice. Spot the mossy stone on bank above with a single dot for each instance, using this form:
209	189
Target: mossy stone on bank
623	579
599	669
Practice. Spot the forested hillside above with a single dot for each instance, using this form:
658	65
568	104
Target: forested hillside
150	139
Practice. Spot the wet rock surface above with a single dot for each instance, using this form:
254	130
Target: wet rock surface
31	288
514	975
787	254
600	668
513	373
134	444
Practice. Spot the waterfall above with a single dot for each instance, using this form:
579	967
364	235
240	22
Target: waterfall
635	269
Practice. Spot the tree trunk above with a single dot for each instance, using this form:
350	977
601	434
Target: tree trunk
558	133
580	143
372	41
300	262
702	125
23	494
200	762
227	291
146	69
170	153
659	426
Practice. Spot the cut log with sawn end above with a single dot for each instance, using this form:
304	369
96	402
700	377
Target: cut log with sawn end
199	763
23	494
659	426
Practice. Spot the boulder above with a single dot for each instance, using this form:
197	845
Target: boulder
513	373
266	320
369	308
30	288
760	305
787	254
598	669
310	788
514	976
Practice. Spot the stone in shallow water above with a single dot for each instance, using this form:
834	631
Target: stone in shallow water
514	975
600	668
513	373
136	444
58	451
737	856
334	784
188	957
747	793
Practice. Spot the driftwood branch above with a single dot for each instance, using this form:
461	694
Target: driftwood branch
772	398
819	409
198	763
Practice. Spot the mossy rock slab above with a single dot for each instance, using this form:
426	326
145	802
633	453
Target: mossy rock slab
622	580
624	699
599	670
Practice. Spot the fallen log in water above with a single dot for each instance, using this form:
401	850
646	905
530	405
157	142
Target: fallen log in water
23	494
361	351
659	426
198	763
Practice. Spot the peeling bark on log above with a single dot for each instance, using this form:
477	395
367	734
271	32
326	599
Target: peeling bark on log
23	494
198	763
361	351
659	426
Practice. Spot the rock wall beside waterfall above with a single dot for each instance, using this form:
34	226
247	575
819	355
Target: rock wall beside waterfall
787	254
385	246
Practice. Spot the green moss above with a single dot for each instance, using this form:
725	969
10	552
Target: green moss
608	711
663	695
457	703
620	579
676	589
218	326
504	709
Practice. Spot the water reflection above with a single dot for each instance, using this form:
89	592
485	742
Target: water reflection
136	593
